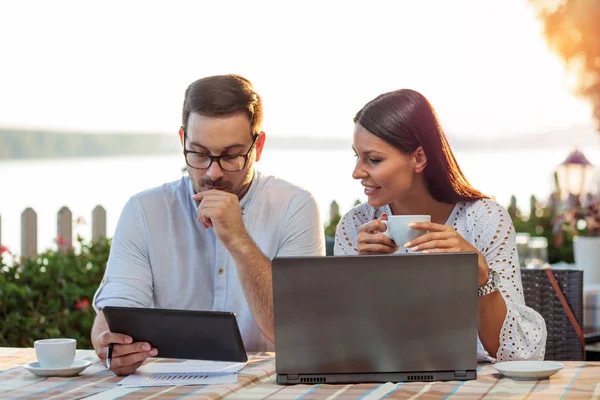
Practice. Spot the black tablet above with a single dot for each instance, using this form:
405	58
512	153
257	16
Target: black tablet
193	335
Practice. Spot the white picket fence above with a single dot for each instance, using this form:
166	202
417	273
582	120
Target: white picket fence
64	229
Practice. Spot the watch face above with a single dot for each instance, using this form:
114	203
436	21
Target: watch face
491	285
495	277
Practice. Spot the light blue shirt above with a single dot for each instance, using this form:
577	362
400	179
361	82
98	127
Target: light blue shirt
162	257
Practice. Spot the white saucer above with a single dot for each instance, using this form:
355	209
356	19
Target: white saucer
74	369
528	369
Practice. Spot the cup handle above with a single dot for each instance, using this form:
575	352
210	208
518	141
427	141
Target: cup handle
387	230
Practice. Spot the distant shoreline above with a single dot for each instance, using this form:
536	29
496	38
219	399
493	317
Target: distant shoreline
38	144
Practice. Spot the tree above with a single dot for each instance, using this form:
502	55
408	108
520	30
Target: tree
572	30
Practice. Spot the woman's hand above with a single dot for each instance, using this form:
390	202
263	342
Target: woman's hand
371	240
444	239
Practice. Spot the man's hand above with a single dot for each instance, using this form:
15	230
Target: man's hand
127	356
221	211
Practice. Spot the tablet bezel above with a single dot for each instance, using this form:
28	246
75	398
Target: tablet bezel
183	339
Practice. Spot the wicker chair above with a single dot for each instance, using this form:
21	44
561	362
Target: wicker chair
563	342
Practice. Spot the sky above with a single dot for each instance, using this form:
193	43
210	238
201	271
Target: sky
123	66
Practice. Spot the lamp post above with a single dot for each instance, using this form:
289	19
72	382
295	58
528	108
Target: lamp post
572	175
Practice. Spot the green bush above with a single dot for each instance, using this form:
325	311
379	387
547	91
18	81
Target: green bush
541	222
50	295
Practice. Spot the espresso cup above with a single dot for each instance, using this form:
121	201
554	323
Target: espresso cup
55	353
399	231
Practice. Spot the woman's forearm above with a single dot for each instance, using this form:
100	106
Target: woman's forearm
492	313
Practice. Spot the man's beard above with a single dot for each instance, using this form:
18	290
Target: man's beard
223	184
220	184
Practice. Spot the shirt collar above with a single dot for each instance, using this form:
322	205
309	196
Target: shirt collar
245	201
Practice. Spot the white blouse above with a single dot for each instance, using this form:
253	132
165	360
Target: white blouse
488	227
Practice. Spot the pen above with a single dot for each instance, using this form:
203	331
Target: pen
109	350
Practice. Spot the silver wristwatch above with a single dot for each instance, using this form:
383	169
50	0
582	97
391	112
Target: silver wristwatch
492	285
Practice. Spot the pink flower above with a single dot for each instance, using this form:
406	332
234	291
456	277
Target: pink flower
80	221
82	304
4	249
60	241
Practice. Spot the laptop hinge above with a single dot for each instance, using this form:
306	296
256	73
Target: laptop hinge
460	374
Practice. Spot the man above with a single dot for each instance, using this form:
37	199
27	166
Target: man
205	242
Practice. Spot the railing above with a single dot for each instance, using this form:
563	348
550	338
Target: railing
64	229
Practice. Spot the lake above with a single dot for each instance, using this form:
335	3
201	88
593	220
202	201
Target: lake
81	184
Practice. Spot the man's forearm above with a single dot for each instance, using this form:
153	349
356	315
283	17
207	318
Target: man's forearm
99	326
254	272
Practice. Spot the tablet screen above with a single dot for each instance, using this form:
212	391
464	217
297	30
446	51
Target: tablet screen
193	335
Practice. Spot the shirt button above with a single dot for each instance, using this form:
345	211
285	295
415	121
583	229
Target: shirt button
221	270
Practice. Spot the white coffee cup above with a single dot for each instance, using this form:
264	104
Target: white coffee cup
399	231
55	353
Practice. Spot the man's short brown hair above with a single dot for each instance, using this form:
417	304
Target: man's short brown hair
220	95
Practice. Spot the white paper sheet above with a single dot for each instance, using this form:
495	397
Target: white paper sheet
197	366
188	372
171	379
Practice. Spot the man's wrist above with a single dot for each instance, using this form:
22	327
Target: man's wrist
241	243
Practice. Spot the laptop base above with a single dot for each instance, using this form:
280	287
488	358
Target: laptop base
292	379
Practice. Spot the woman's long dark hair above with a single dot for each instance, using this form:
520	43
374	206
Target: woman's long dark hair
406	120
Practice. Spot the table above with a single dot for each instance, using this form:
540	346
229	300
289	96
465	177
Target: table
257	380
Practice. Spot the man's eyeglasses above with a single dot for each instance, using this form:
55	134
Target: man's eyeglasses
228	163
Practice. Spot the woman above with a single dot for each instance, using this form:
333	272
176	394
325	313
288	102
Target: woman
407	168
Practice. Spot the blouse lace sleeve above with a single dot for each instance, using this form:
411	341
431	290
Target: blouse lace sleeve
346	234
523	333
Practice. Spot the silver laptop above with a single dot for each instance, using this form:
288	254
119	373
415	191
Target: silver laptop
348	319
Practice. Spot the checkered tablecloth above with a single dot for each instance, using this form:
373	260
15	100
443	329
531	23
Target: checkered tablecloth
579	380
